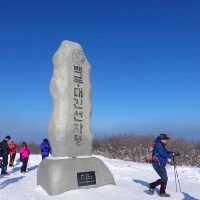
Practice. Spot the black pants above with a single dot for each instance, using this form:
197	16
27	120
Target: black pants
4	164
162	172
24	164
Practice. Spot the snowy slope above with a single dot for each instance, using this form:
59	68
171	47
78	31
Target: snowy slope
131	179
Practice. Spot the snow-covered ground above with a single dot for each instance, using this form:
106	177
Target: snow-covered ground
131	178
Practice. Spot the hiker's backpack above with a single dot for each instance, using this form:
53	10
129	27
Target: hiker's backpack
150	158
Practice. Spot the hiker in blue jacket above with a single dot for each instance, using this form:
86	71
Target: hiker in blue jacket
160	159
45	148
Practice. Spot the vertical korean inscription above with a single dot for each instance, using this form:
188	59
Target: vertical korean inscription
69	129
78	99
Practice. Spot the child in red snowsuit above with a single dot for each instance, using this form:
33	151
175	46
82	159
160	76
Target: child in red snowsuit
12	150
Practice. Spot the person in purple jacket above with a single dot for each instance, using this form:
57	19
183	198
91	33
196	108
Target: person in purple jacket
45	148
160	159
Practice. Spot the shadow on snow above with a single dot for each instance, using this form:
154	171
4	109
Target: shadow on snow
16	169
143	183
16	179
186	195
10	181
32	168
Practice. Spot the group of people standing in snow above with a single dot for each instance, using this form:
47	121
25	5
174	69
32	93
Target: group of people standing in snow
160	157
8	150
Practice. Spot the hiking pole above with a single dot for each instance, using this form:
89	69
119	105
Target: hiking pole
176	177
175	174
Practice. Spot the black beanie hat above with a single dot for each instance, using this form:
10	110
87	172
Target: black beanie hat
164	136
8	137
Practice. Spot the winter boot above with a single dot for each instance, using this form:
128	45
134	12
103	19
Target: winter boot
152	186
165	195
162	190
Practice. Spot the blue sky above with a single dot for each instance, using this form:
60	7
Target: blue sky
145	58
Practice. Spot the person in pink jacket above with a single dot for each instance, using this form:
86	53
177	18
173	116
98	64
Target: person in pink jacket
24	156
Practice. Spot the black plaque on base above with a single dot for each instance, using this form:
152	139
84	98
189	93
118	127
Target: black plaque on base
86	178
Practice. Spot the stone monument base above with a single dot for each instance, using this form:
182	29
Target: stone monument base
58	175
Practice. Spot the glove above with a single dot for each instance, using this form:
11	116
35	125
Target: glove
176	154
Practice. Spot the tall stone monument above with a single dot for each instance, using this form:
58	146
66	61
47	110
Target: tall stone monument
71	165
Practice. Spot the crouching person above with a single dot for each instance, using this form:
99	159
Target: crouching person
13	150
24	157
160	160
